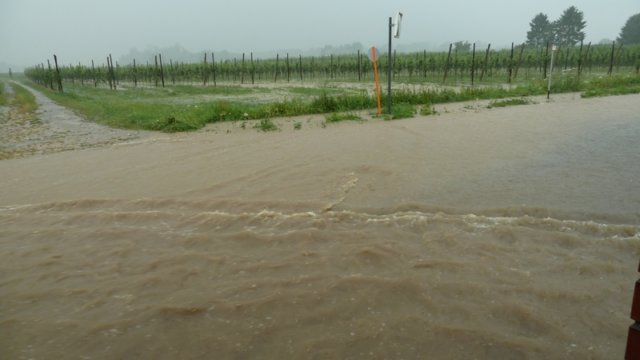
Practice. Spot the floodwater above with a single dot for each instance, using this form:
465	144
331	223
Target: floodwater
496	234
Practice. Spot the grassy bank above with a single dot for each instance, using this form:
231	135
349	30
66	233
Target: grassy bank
24	101
184	108
3	97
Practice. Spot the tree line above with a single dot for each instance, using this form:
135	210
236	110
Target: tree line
568	30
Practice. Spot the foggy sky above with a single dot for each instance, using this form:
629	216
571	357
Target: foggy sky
79	30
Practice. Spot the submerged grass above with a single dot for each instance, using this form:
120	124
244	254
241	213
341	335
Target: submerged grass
508	102
337	117
401	111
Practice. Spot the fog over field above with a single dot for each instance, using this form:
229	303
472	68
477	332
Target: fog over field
81	30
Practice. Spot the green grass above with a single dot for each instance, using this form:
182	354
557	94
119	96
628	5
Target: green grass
179	108
336	117
620	85
24	101
508	102
3	97
401	111
266	125
312	91
427	110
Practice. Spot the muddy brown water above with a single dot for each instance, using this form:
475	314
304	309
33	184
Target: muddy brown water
501	234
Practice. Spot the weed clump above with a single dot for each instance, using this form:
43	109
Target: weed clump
508	102
336	117
401	111
266	125
171	124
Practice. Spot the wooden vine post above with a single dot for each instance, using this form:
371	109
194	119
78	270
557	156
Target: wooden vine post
204	71
50	74
288	69
300	62
519	62
486	62
135	74
161	69
213	69
155	75
510	65
446	65
276	76
58	77
359	66
93	73
473	63
242	71
253	69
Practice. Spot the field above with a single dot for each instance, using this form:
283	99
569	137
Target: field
181	97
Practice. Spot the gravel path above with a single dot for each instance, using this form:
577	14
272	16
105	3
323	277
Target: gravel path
54	129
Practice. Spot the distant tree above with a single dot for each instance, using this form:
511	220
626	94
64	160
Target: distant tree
630	33
569	28
541	30
462	46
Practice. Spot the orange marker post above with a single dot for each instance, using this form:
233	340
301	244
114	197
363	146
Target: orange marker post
374	58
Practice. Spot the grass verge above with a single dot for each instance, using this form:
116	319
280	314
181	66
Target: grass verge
149	108
605	86
508	102
337	117
24	101
3	96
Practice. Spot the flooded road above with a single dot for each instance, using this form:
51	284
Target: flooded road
507	233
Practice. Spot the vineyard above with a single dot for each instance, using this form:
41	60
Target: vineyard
477	66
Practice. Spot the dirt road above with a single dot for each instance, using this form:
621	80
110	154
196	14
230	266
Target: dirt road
54	129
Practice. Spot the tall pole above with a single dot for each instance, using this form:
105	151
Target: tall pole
389	65
553	50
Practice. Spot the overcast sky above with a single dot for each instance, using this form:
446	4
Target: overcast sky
79	30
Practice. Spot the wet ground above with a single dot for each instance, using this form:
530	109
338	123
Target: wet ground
53	129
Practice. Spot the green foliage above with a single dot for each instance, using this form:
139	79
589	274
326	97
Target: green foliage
24	101
297	125
569	29
541	31
605	86
171	124
630	33
508	102
336	117
325	103
401	111
462	46
3	98
266	125
418	67
427	110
